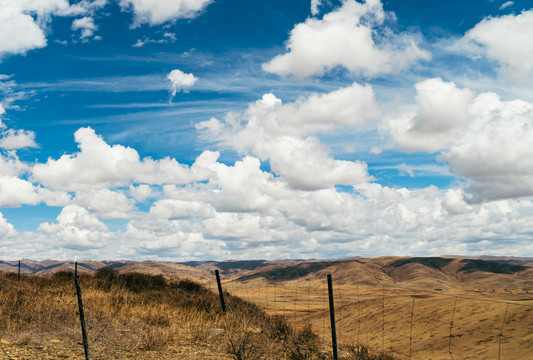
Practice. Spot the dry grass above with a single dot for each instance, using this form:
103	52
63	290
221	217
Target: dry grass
478	318
138	316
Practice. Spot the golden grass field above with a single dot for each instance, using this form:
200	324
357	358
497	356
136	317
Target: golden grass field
404	322
361	317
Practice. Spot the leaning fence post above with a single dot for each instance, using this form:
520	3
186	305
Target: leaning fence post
82	316
221	294
332	318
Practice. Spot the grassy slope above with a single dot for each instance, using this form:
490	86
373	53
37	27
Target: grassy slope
138	316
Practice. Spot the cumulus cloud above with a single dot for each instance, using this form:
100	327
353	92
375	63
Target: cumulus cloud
11	139
484	139
11	165
247	212
281	134
106	203
22	23
15	192
83	7
181	209
350	37
155	12
169	239
17	139
86	25
442	114
140	193
506	39
7	230
19	32
98	165
315	5
180	81
240	210
76	228
495	150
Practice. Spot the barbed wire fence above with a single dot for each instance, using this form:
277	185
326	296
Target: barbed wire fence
96	344
402	322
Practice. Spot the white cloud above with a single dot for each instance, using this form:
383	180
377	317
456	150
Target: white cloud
167	37
315	5
350	106
22	23
54	198
168	239
180	209
15	192
495	150
10	165
180	81
281	134
86	25
507	40
348	37
11	139
442	114
76	228
98	165
105	203
18	32
155	12
7	230
83	7
243	187
483	139
249	213
17	139
405	169
506	4
140	193
376	150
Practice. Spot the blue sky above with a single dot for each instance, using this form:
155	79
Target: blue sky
200	129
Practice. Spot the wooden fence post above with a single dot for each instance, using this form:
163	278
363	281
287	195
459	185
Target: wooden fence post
221	294
332	318
82	316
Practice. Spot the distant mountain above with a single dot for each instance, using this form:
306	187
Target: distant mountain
420	272
424	273
511	260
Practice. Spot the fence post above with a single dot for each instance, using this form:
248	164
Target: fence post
19	272
332	318
82	316
221	294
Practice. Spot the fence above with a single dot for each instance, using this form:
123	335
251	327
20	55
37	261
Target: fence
403	322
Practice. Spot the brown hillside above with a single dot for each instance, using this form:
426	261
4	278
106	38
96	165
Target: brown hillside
169	270
423	273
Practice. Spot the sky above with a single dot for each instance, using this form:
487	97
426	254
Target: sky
231	129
